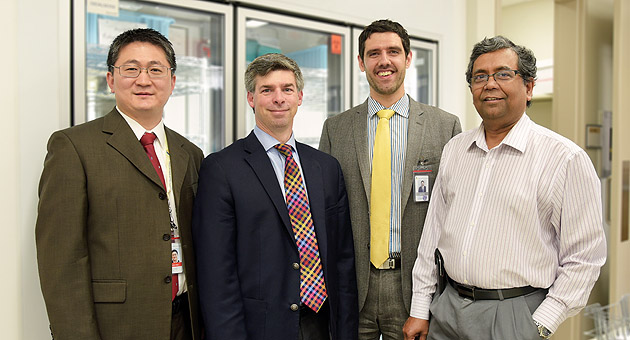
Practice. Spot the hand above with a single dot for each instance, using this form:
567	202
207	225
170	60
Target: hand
415	328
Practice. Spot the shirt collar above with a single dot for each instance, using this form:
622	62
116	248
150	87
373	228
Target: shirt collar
139	130
268	141
401	107
516	137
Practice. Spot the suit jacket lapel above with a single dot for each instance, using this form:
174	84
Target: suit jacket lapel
312	175
179	162
415	141
359	131
124	141
261	165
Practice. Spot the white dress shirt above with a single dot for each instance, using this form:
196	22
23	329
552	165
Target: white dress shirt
525	213
160	145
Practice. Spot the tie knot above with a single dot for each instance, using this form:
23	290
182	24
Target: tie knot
147	139
385	113
284	149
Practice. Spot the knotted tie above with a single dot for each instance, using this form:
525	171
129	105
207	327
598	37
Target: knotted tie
381	194
312	286
147	142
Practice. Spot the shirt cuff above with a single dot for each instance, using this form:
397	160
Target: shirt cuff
550	314
420	307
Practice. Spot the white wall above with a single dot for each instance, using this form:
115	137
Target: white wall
35	99
10	314
40	92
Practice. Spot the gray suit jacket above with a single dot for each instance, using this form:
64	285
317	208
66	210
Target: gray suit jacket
103	233
345	137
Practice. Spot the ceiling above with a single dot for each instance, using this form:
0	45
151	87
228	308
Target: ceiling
506	3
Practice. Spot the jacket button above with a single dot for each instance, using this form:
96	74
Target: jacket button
167	279
296	266
162	196
368	246
166	237
295	307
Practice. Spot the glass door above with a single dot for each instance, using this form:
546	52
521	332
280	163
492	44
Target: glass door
321	50
197	108
420	79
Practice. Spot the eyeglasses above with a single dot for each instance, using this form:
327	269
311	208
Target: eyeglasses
502	76
133	71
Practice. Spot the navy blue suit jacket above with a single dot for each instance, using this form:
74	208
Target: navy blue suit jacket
246	250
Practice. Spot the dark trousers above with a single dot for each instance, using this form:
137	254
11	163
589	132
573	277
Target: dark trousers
180	322
455	317
314	326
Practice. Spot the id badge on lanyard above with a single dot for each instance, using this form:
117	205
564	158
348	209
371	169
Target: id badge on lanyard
177	266
176	258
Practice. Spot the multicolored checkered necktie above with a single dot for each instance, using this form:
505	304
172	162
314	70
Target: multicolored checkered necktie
312	286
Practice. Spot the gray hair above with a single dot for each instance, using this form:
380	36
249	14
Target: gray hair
264	64
526	59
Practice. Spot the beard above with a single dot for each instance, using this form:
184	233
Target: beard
385	89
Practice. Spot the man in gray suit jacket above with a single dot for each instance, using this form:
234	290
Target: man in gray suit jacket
418	133
111	213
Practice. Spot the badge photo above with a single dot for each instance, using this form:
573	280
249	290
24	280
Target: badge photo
421	187
176	258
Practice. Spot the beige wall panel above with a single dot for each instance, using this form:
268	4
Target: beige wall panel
620	250
581	38
483	20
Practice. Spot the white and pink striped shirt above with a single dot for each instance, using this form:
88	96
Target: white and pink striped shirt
525	213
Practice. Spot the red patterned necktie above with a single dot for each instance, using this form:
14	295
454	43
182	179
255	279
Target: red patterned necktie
312	286
147	142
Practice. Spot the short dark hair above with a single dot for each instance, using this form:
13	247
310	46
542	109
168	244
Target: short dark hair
264	64
384	26
526	59
147	35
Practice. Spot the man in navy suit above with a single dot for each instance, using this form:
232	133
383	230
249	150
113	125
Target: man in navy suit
271	225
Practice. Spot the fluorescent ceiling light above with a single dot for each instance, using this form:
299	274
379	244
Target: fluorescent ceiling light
255	23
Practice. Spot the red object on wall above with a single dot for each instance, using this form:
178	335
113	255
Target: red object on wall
335	44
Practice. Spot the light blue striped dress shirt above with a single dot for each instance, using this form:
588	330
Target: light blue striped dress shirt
277	159
398	124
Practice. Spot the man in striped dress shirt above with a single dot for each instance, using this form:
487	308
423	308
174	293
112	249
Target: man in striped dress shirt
515	212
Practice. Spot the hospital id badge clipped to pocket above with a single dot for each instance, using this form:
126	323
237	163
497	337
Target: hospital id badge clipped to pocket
421	184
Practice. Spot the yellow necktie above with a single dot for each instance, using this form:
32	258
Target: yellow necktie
381	195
